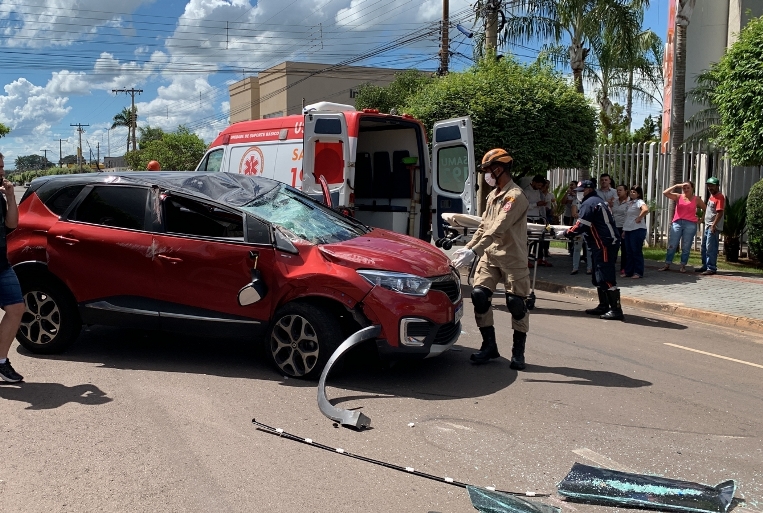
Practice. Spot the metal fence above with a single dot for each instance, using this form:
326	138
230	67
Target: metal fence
648	165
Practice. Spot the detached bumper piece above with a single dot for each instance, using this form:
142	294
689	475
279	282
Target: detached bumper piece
614	488
489	501
353	419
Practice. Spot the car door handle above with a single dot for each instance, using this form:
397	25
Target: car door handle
68	240
170	259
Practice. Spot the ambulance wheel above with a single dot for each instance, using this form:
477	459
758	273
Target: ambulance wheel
447	244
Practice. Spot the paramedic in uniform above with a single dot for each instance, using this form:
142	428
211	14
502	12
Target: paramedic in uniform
597	226
500	243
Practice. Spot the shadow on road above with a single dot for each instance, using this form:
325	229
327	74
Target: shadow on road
629	318
47	396
449	376
585	377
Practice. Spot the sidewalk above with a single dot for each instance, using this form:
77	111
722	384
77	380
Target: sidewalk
729	298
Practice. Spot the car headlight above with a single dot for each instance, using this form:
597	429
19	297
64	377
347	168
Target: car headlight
399	282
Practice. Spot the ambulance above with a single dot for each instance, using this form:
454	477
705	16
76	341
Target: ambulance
377	166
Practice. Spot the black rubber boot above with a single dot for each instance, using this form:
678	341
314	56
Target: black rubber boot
615	312
489	348
518	351
603	303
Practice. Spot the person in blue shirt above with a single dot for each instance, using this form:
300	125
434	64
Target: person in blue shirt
597	226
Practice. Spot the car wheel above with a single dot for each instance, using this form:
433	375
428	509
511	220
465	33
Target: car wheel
302	339
51	321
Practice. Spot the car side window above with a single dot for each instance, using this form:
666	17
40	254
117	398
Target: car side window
59	201
119	207
185	216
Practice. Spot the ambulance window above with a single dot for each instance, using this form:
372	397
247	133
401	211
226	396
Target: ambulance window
447	133
212	162
452	168
328	126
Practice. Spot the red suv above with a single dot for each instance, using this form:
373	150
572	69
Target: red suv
223	254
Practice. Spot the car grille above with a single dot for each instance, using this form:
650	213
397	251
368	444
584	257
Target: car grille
448	284
447	333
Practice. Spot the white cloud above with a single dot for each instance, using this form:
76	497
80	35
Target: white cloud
60	22
29	109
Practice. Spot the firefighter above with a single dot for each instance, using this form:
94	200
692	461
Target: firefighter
596	224
500	243
153	166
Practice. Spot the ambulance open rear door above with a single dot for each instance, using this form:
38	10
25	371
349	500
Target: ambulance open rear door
326	153
453	170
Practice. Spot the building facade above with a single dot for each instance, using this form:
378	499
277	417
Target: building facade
282	89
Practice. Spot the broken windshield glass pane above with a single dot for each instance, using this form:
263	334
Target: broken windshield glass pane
304	218
488	501
611	487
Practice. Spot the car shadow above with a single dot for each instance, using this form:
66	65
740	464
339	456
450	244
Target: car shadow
47	396
584	377
449	376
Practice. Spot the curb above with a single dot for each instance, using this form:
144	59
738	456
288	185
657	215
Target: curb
729	321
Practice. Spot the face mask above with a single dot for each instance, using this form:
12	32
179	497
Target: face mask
580	196
490	179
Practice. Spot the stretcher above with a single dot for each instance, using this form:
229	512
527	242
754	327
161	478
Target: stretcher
460	228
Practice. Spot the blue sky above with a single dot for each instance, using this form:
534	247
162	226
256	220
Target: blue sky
60	62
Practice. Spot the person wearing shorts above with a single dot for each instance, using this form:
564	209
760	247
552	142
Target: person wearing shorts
10	292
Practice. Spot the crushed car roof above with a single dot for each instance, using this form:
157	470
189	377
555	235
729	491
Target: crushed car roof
228	188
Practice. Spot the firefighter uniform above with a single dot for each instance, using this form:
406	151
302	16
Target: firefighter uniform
501	245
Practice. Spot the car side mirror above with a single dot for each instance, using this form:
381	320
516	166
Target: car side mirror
254	291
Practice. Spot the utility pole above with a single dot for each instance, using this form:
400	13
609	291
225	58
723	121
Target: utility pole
79	149
45	157
98	156
60	153
444	43
133	113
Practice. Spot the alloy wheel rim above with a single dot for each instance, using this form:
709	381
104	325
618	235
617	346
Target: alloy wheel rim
41	321
294	345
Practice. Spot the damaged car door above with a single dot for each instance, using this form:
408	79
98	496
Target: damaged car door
105	231
205	254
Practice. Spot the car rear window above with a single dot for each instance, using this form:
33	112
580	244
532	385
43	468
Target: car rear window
118	207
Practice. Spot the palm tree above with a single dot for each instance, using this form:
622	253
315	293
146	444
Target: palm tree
124	118
683	15
578	22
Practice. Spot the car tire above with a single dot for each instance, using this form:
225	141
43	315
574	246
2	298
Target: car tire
51	322
302	338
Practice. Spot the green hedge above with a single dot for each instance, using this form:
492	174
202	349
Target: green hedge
755	221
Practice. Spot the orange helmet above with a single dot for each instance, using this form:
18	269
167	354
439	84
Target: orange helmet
153	166
494	156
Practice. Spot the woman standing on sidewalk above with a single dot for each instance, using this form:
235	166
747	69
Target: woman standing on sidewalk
619	208
634	233
684	225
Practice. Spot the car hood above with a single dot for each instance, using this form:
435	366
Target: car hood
389	251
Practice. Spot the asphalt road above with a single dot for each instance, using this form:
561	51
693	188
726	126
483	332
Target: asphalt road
134	421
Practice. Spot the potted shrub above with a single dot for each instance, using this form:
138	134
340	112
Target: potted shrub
734	225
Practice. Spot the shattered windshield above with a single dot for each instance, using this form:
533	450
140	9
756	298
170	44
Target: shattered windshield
303	217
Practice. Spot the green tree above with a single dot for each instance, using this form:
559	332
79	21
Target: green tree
755	220
148	134
739	96
392	96
649	132
176	151
684	10
613	125
4	130
531	111
124	118
31	162
578	22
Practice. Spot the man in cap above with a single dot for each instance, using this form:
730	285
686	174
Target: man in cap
500	243
713	226
596	224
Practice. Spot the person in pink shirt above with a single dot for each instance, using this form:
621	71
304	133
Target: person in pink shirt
684	225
